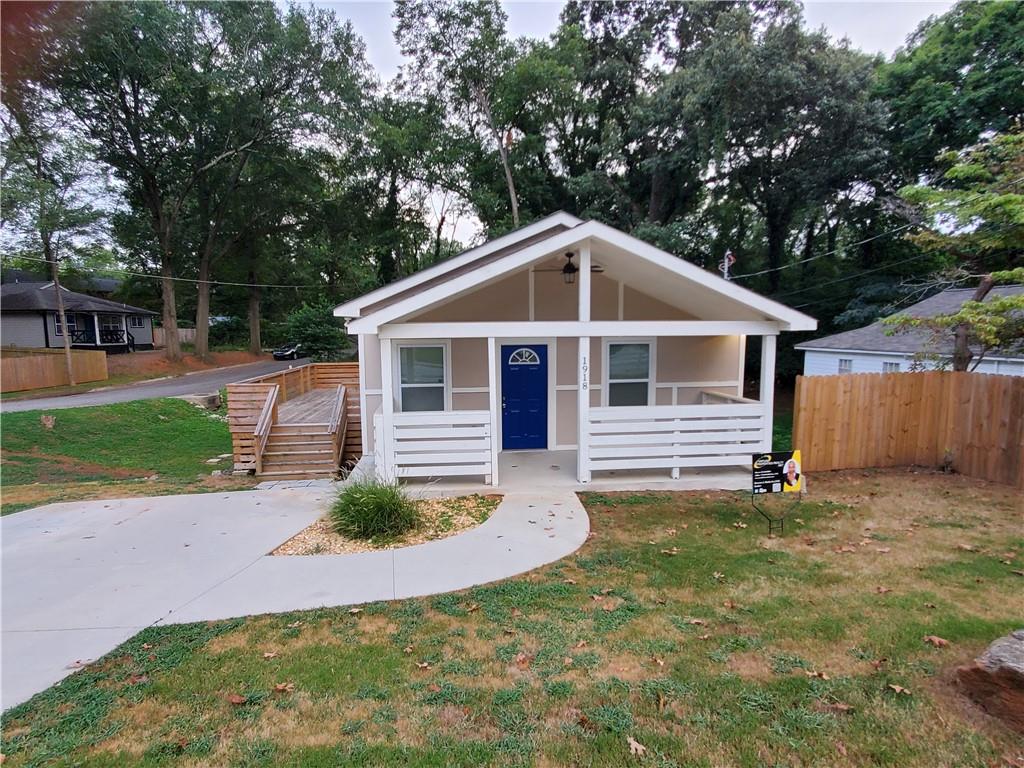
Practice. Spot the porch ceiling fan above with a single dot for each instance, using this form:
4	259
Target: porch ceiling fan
569	270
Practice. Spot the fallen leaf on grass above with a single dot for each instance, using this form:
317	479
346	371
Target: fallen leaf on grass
635	747
966	547
670	552
899	689
138	679
567	661
697	622
569	581
581	644
434	688
670	532
270	655
407	649
523	660
935	640
607	591
354	611
703	637
844	549
423	665
146	646
284	687
294	625
608	607
718	576
659	662
882	590
739	525
813	673
841	748
236	700
883	550
877	663
473	608
729	604
930	605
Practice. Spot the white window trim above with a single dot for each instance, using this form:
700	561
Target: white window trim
141	320
848	367
889	366
652	367
119	319
396	371
57	329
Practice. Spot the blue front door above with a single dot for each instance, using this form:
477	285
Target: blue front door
524	396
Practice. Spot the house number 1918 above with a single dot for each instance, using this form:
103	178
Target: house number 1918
584	373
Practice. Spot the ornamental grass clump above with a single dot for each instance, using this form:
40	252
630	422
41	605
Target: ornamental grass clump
373	509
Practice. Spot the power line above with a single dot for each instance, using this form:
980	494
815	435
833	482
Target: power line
177	279
861	242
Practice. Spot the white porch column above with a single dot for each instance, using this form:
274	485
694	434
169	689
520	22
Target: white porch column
767	396
585	282
583	409
96	325
365	419
387	386
492	395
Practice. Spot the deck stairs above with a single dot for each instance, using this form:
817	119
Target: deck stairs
298	452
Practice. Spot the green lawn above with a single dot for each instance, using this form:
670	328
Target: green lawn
679	625
109	448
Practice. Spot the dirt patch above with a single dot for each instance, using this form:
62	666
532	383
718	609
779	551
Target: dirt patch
56	469
153	363
750	665
439	519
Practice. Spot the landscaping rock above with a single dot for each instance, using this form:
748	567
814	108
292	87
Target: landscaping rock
210	401
996	680
216	473
214	460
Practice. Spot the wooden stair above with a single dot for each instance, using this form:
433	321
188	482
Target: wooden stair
298	452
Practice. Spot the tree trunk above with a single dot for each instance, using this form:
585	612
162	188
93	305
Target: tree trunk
202	342
437	240
172	344
255	342
962	353
485	108
61	317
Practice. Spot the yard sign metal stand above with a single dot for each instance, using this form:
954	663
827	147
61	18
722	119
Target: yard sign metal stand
776	473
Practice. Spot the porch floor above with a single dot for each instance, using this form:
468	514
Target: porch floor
533	470
314	407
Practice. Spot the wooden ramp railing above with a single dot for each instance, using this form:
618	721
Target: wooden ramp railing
248	401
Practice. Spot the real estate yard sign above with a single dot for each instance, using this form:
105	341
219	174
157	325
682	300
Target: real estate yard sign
777	472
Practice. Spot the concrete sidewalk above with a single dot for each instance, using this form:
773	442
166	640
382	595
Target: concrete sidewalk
79	578
527	530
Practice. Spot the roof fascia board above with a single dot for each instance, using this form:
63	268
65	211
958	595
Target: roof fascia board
352	307
481	276
789	319
895	353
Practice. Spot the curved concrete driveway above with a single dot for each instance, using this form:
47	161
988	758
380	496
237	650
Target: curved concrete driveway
79	578
186	384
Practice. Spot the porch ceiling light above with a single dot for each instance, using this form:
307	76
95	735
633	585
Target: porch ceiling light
569	270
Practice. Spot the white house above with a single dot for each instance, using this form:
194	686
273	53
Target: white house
564	335
872	350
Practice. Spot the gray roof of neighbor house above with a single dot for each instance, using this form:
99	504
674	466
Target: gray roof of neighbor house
873	338
86	283
40	297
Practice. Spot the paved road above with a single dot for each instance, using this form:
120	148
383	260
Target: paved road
190	384
79	578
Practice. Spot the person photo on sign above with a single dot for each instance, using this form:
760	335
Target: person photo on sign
792	479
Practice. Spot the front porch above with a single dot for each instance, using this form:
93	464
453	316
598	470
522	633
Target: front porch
521	471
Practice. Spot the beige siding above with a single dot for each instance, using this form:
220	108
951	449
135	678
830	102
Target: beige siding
506	300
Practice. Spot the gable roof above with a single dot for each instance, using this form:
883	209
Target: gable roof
459	264
873	338
532	244
40	297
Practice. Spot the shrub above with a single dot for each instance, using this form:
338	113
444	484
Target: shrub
370	509
315	327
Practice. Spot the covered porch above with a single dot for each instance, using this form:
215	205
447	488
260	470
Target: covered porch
683	429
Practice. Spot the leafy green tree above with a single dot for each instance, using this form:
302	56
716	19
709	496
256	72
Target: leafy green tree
314	326
957	78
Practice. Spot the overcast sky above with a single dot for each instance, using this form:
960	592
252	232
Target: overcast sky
871	26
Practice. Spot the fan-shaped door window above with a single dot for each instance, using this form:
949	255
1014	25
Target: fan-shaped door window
524	356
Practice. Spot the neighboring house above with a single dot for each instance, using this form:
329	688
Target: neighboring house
872	350
563	335
103	287
28	318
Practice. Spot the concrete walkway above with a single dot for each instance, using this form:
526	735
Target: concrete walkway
79	578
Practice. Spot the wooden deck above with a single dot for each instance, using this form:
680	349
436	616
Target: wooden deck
314	407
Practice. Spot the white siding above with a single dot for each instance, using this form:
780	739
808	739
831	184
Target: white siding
821	363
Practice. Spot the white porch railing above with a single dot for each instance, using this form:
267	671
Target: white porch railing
676	436
435	444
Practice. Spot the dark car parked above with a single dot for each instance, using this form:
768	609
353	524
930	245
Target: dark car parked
288	352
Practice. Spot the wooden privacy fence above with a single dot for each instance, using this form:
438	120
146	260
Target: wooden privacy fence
185	336
971	421
247	398
22	369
